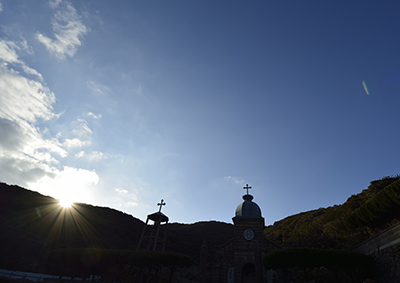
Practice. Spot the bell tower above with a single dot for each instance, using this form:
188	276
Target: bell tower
240	260
249	243
154	237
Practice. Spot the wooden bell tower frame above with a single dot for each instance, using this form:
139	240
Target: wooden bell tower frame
154	236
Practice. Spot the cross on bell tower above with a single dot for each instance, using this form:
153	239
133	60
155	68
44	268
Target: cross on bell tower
161	204
247	188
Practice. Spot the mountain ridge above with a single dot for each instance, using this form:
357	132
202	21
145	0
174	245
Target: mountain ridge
32	224
328	227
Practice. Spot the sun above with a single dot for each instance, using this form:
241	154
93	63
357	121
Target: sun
65	203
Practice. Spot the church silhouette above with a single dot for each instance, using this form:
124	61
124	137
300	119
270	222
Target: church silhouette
240	260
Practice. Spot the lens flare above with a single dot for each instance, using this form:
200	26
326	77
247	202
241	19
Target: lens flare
65	202
365	87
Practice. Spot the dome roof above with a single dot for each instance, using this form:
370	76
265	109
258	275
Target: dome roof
248	209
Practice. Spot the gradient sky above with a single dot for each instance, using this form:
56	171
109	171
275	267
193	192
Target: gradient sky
123	103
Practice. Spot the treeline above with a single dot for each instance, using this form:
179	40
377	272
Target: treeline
383	208
115	265
342	226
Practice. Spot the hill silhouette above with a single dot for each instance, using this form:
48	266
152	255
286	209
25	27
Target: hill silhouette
328	227
31	225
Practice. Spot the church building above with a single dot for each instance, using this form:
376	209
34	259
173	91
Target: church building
240	260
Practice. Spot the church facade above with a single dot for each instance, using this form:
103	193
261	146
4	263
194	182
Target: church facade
240	260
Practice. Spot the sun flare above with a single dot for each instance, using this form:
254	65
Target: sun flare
65	203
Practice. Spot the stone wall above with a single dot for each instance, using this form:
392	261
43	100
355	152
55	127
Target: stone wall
385	248
388	262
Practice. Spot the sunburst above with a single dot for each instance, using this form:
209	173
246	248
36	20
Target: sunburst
65	203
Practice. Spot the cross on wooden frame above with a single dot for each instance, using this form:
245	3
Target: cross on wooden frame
247	188
161	204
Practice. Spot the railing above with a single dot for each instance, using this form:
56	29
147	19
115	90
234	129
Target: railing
30	276
381	241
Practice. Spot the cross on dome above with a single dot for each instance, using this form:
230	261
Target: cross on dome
161	204
247	188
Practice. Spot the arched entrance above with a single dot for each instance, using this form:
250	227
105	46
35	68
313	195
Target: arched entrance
248	273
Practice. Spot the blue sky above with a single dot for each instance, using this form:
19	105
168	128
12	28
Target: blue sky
124	103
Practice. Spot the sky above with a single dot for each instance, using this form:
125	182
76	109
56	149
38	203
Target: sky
123	103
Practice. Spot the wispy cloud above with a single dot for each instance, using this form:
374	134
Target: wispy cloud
98	88
80	154
235	180
27	157
68	31
97	117
81	128
121	191
54	3
69	143
1	7
9	55
125	198
93	156
7	51
23	102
